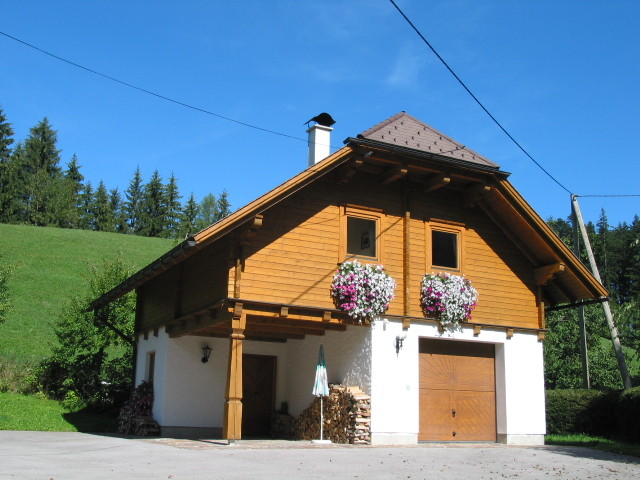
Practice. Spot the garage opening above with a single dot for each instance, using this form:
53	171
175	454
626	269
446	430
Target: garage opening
457	391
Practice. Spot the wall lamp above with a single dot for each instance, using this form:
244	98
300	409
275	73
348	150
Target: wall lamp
206	353
399	341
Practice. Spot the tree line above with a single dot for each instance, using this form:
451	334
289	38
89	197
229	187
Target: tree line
617	253
36	190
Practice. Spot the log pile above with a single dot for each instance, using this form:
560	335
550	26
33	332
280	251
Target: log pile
347	417
135	417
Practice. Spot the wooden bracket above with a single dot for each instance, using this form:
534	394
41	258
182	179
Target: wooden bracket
146	334
440	327
251	229
509	333
237	310
546	273
476	330
284	312
349	170
473	194
436	182
394	174
406	323
326	316
155	332
542	336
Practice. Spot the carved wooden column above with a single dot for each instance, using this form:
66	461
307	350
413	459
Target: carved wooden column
233	407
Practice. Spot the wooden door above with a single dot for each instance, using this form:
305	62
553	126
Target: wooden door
457	391
258	394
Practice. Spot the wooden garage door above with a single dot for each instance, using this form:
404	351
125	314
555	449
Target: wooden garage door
457	391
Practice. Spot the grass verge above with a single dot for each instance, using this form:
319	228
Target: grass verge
37	413
605	444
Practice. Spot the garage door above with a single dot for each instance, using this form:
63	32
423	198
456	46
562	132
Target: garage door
457	391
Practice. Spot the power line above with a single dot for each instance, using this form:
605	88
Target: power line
149	92
476	98
631	195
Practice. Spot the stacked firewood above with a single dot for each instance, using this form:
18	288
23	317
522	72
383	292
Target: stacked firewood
347	413
135	417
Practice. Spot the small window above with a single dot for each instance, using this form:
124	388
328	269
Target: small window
151	366
444	249
361	237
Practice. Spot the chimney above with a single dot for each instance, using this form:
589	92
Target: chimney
320	138
319	143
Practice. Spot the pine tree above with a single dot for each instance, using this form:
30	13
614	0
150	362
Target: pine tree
117	207
188	218
133	206
103	215
6	169
45	191
173	208
87	208
154	210
224	207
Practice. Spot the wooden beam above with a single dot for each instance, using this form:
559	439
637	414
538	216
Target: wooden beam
406	263
349	170
476	330
509	332
473	194
437	182
542	336
509	234
546	273
232	427
394	174
284	312
251	229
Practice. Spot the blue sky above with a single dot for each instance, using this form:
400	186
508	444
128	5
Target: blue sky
562	77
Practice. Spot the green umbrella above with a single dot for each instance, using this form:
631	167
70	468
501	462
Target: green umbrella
321	386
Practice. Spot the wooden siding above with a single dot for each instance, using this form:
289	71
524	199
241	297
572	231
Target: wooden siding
196	283
293	257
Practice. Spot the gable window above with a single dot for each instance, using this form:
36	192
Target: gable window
444	249
360	233
361	237
445	246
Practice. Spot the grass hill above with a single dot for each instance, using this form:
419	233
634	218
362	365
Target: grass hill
52	265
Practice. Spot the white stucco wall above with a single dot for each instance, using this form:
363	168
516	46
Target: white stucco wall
348	357
189	393
395	382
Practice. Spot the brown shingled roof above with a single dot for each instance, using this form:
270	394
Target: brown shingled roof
409	132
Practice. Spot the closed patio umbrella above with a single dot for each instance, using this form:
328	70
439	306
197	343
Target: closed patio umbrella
321	389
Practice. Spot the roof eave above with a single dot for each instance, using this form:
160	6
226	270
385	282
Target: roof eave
443	159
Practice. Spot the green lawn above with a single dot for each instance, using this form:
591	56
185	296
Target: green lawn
594	442
52	265
34	412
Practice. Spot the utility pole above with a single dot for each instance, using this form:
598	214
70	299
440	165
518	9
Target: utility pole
617	348
584	352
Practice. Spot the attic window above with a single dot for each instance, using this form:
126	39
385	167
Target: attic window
361	237
444	249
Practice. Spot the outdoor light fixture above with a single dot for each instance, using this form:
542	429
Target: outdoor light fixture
206	353
399	341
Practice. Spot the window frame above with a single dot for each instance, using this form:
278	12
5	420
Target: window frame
444	226
363	213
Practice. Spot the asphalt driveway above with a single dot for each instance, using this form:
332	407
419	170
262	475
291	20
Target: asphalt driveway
61	456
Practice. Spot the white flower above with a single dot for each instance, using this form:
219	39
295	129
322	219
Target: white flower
447	298
363	291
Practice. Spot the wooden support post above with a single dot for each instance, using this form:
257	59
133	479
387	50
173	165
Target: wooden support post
232	428
407	255
617	348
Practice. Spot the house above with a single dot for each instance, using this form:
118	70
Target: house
255	288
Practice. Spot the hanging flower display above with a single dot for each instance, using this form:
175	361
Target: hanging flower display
362	290
447	298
